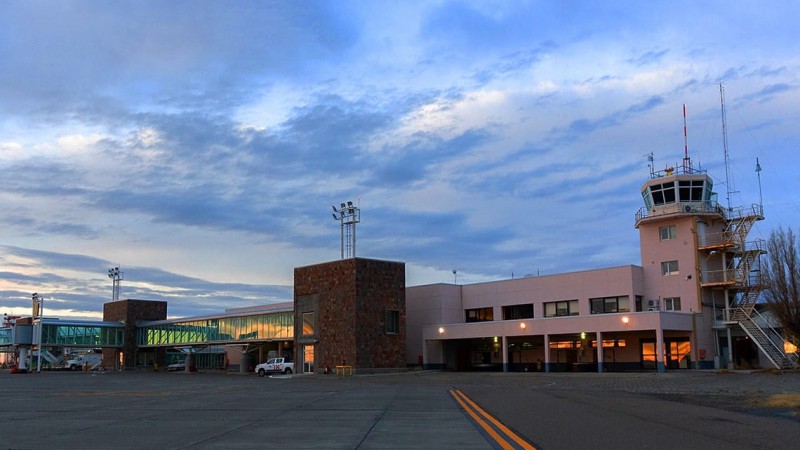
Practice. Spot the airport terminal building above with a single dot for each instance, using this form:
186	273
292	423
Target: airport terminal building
692	303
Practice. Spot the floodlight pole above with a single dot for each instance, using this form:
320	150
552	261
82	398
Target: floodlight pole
348	216
116	276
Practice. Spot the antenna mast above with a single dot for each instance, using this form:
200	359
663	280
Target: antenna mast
725	145
687	163
758	171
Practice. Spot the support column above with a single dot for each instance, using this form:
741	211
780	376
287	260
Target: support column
660	367
547	353
600	351
22	364
424	354
728	319
504	342
244	360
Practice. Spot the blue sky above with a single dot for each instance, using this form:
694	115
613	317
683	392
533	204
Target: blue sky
200	144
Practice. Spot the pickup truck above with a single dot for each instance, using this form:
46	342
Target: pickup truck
275	365
88	360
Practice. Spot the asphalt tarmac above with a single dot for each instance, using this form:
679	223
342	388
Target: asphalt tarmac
207	410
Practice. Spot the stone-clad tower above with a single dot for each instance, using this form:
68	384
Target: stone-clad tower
350	312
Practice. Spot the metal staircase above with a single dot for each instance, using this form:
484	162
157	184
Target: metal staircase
766	338
743	276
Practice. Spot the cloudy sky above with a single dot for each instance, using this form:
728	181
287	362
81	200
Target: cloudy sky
199	145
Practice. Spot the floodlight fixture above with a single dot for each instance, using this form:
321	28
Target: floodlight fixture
116	276
348	216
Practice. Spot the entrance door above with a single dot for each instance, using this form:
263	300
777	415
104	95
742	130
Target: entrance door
678	354
648	354
308	358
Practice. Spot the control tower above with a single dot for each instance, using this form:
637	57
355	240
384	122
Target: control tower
696	258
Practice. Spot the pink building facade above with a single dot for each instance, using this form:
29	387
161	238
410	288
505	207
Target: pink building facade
689	305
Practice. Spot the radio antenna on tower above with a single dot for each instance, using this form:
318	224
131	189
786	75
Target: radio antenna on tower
687	163
728	188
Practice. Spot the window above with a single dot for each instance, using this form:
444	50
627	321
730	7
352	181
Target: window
513	312
392	323
667	233
607	305
663	193
691	190
672	304
480	315
669	268
308	323
562	308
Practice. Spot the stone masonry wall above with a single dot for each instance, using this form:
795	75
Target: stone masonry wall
351	298
130	311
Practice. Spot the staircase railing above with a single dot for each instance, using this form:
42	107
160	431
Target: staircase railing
768	340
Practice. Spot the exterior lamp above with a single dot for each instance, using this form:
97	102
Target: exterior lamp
441	330
522	325
626	319
583	335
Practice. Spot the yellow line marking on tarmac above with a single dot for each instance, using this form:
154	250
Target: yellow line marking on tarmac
480	422
473	410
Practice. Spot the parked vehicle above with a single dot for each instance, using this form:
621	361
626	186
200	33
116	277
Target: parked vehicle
86	361
176	366
275	365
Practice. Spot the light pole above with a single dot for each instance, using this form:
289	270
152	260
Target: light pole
348	215
116	276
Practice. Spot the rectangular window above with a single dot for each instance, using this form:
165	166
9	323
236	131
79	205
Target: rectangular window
392	321
691	190
607	305
480	315
514	312
672	304
562	308
667	233
669	268
308	323
663	193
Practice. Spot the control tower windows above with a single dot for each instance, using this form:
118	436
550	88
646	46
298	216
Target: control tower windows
663	193
691	190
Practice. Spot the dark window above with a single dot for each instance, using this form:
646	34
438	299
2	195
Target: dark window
392	321
514	312
562	308
663	193
691	190
480	315
607	305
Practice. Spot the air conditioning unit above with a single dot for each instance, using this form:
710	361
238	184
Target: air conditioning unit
652	305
